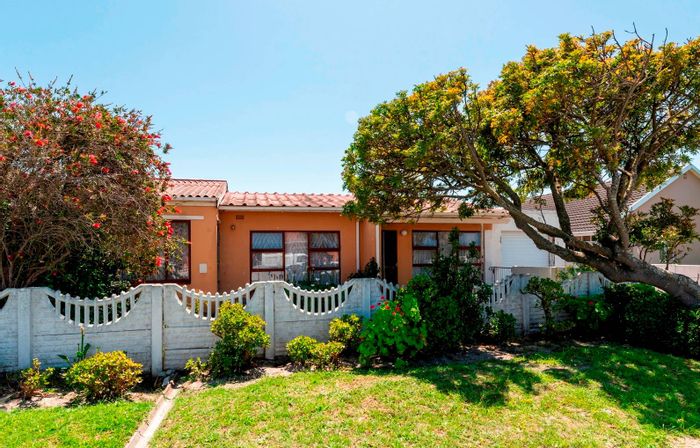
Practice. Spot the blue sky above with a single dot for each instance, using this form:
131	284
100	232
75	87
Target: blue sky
266	94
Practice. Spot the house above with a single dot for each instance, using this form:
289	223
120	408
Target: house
240	237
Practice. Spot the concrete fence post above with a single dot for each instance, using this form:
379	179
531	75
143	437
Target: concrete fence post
366	299
271	288
24	327
525	301
156	294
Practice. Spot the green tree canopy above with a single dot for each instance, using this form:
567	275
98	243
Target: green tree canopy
592	117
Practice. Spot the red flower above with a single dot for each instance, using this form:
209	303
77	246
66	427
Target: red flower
159	261
28	133
93	159
105	170
96	225
134	171
166	198
11	83
2	158
371	307
98	125
590	303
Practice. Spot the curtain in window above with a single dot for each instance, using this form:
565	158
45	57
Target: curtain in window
267	240
296	256
179	263
424	239
325	240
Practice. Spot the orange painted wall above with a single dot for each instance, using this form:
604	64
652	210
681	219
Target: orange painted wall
368	247
203	246
235	243
405	243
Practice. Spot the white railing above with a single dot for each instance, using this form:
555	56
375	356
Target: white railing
93	312
318	302
204	305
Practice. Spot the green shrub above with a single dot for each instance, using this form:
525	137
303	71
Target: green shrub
326	355
241	336
33	379
104	376
642	315
586	314
451	298
300	349
550	295
394	331
307	351
346	330
500	326
196	368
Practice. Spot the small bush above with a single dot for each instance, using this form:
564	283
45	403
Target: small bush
346	330
642	315
104	376
242	335
307	351
395	330
326	355
500	326
550	294
586	314
33	380
300	349
196	368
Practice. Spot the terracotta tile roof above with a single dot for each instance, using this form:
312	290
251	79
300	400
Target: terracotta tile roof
580	210
197	188
299	200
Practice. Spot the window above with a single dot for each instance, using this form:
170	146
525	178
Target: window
295	257
176	268
427	244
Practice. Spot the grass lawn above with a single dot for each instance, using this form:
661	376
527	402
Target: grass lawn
100	425
579	396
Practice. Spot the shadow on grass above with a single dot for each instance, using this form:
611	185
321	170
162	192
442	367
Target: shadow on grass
663	390
487	382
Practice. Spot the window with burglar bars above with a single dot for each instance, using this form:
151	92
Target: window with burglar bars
295	256
427	244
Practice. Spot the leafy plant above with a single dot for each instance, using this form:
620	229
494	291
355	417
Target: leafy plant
104	376
197	368
346	330
550	293
33	379
326	355
587	314
451	298
241	336
500	326
82	351
300	349
307	351
395	330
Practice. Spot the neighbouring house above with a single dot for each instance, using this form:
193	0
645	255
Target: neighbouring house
236	238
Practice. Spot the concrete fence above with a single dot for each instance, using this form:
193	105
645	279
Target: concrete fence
162	326
508	296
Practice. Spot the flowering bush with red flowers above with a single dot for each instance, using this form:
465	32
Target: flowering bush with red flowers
76	174
395	331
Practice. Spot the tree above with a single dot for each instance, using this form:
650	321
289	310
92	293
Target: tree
664	231
77	175
593	117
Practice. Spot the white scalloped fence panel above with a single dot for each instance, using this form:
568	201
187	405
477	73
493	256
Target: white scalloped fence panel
187	318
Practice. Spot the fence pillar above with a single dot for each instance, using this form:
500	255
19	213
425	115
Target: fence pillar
157	294
366	291
525	303
24	327
270	290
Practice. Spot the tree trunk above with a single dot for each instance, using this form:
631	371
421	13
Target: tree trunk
679	286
